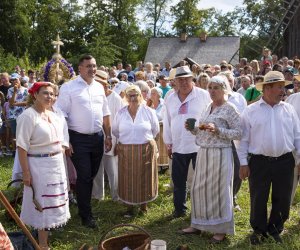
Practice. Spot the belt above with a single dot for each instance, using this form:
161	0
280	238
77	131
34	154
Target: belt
270	158
44	155
77	133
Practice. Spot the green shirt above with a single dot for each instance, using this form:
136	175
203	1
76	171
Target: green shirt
251	94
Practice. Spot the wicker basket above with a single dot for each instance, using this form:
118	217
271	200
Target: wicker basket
134	241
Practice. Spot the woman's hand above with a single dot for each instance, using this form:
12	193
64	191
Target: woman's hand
69	151
27	178
212	128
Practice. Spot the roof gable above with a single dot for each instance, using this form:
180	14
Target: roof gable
213	51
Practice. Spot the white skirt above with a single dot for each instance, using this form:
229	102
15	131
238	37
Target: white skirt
50	185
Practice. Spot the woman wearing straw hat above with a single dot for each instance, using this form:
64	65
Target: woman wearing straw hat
135	126
39	141
271	131
211	191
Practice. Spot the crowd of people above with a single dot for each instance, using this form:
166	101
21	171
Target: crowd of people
229	123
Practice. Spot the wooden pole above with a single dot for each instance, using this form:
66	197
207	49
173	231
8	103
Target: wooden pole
17	219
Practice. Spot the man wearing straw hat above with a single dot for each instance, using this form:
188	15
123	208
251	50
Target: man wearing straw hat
271	131
187	102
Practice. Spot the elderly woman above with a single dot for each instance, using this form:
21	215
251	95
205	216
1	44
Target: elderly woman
39	141
144	89
202	81
135	126
156	101
211	191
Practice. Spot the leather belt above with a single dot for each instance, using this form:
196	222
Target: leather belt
44	155
77	133
270	158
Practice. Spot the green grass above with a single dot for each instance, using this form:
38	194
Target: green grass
157	222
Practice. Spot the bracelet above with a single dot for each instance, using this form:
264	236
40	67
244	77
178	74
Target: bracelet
109	137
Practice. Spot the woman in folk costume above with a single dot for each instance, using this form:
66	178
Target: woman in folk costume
40	145
211	191
135	127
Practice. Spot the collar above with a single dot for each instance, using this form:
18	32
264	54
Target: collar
261	101
190	96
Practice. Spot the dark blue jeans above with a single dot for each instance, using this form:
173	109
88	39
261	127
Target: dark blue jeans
88	151
180	168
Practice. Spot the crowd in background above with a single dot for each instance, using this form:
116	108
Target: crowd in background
140	98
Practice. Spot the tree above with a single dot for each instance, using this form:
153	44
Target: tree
187	17
156	13
15	26
122	28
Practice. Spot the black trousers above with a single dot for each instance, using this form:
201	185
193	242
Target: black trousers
180	168
265	172
88	152
237	182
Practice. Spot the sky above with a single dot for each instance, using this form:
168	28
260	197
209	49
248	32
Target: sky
223	5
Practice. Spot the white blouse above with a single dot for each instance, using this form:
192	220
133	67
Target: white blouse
141	130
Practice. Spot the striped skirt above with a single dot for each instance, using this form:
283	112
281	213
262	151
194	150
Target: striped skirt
163	158
137	173
211	191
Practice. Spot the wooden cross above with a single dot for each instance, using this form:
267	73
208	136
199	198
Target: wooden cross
57	44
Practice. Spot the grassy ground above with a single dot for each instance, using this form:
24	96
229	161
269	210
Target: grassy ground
157	222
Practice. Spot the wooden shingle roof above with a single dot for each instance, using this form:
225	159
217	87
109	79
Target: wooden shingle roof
213	51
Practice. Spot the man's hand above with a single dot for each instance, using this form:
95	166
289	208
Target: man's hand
169	149
107	144
244	172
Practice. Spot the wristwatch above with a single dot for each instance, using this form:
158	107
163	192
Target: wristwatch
108	137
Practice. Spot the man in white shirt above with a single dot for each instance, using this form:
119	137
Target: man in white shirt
245	84
85	107
109	162
240	103
271	131
188	102
294	100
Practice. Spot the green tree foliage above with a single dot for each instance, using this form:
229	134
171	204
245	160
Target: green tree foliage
15	26
155	14
187	17
119	30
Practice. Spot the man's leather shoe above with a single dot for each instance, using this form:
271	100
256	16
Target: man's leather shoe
177	214
277	238
257	238
90	223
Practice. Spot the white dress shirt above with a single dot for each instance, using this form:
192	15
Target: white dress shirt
294	100
270	131
143	129
84	105
238	101
176	113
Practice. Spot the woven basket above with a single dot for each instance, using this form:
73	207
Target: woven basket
134	241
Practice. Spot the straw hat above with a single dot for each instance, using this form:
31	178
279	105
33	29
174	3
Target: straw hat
271	77
101	76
